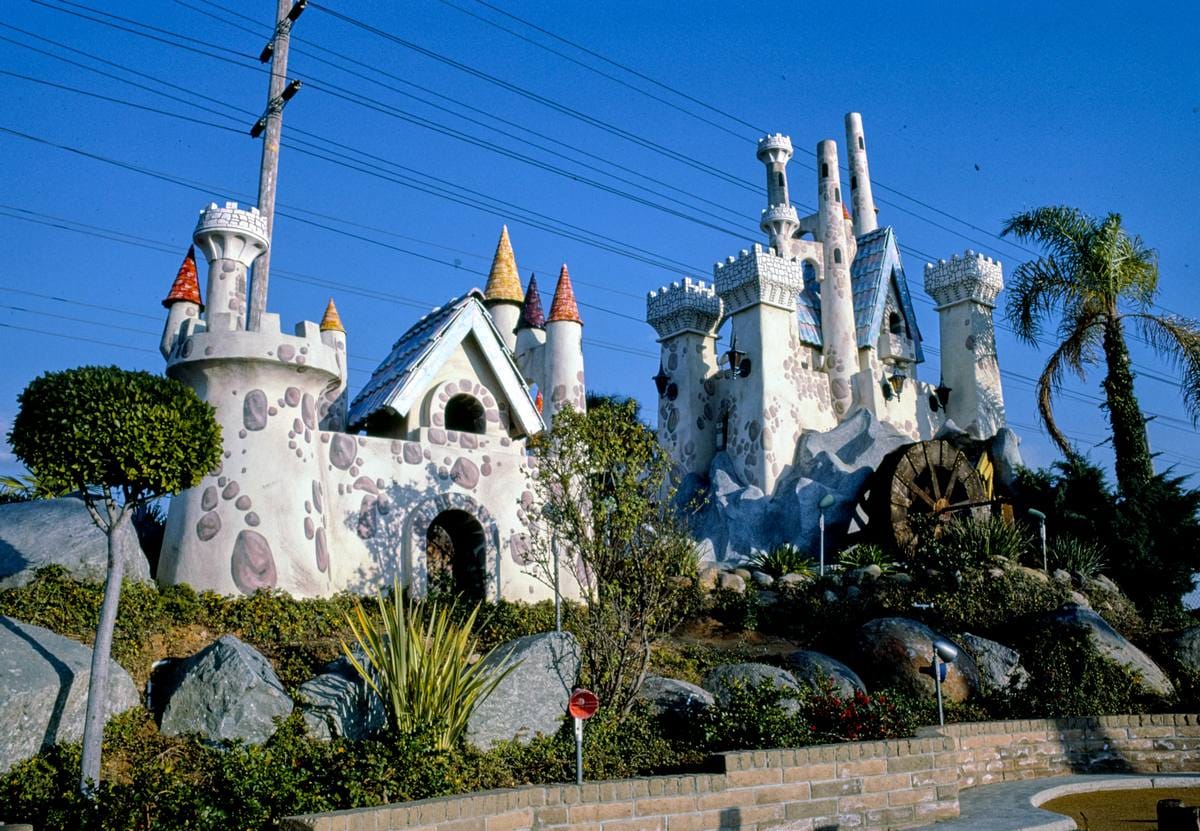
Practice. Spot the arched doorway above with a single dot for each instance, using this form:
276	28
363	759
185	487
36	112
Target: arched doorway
456	554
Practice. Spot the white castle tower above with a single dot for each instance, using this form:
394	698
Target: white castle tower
258	521
563	352
965	290
837	295
531	337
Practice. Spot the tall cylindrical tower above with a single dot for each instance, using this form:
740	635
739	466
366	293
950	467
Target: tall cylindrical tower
231	240
531	337
779	220
564	352
837	297
865	219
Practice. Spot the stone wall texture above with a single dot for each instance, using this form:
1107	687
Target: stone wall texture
882	784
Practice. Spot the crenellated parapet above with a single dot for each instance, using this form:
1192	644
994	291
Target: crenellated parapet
687	306
758	276
774	149
231	233
972	277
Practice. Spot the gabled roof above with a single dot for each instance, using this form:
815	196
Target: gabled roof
404	376
876	269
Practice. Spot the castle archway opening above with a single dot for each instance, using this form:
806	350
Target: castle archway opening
456	554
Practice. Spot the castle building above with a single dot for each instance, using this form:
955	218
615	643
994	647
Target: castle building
820	326
422	476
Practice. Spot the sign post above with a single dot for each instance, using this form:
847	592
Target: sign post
582	706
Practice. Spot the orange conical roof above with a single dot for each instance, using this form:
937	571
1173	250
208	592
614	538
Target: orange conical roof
504	283
564	306
186	288
332	321
845	211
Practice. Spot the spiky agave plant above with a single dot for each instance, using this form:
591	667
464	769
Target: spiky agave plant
417	659
782	559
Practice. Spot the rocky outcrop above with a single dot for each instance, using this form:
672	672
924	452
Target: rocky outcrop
725	680
898	652
338	703
814	667
44	681
1112	645
673	698
999	665
60	532
533	698
1184	647
226	691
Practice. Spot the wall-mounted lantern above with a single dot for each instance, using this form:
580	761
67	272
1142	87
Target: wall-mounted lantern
736	361
943	394
896	380
661	380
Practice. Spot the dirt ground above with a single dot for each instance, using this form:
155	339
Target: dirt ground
1119	810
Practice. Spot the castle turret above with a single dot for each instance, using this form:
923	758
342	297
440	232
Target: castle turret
865	219
837	301
758	291
182	302
779	220
503	295
685	316
564	351
335	400
965	290
531	336
231	240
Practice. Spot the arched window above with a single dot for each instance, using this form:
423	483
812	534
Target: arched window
837	194
779	179
465	414
895	324
824	169
853	181
837	255
861	146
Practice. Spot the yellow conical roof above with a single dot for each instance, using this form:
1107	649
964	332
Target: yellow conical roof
504	283
332	321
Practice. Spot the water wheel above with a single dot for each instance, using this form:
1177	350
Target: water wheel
931	479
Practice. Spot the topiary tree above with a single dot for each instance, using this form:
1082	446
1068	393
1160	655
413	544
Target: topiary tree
119	439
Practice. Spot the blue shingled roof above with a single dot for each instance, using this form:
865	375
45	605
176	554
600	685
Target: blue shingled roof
808	308
877	266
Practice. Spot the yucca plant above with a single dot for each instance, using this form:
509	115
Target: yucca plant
780	560
867	554
417	659
1077	556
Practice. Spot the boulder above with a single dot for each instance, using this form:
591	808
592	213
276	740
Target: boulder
813	667
60	532
44	681
732	582
1005	450
1111	644
226	691
338	703
1185	648
673	698
763	579
533	698
723	680
708	577
793	580
898	652
999	665
1062	576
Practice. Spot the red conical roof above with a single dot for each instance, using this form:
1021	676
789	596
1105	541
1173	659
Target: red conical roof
564	306
845	211
532	316
186	288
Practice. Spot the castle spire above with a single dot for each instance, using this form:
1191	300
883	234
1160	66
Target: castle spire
504	281
332	321
186	288
564	306
532	316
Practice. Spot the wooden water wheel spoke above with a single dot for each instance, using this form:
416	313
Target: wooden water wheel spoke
932	467
931	478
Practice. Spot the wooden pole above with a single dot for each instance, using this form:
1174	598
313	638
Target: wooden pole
268	172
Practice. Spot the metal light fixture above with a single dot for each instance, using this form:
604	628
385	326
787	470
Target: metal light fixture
947	652
1041	518
736	360
826	502
943	394
888	394
896	380
661	380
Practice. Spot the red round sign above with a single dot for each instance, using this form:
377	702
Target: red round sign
583	704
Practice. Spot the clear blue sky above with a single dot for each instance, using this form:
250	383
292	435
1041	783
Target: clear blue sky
981	110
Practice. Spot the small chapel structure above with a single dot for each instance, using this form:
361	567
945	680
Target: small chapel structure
820	326
421	477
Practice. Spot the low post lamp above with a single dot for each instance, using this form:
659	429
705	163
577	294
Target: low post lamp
826	502
1041	518
946	652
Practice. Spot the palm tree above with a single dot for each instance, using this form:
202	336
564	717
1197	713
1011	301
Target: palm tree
1097	276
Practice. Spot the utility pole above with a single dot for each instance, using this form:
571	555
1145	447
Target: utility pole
270	126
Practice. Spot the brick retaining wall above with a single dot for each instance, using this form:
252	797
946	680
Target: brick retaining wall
881	784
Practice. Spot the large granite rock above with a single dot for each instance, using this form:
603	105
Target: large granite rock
1005	449
339	703
722	681
533	698
999	665
813	668
673	698
1185	648
44	681
60	532
898	652
226	691
1111	644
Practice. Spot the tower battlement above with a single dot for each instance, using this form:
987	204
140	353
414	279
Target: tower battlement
774	148
687	306
756	276
231	219
972	276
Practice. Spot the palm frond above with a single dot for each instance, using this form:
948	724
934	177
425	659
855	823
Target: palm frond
1060	229
1177	339
1036	289
1074	354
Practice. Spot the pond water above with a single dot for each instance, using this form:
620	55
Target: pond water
1118	810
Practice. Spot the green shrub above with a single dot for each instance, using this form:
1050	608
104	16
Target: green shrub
756	716
737	610
1079	557
867	554
782	559
963	545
